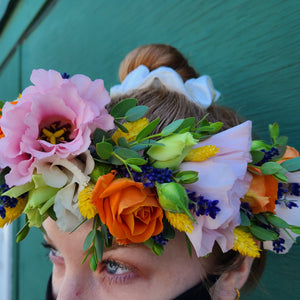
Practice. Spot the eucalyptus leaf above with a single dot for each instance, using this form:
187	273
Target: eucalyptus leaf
136	113
21	235
135	168
122	142
257	156
93	262
270	168
292	165
147	130
136	161
99	135
172	127
126	153
89	240
263	234
104	150
99	244
186	125
276	221
121	126
282	140
157	249
281	177
244	219
274	131
121	108
295	229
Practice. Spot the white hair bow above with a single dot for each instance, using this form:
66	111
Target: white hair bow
199	90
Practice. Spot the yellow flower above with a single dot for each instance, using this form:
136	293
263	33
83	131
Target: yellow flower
13	213
244	243
201	153
180	221
87	208
133	128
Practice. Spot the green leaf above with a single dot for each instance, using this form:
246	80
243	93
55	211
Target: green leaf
281	177
189	245
126	153
121	108
121	126
186	125
276	221
244	219
270	168
122	142
135	168
144	144
93	262
99	244
104	150
172	127
89	240
292	165
261	218
257	156
157	249
282	140
2	175
263	234
52	213
1	106
274	131
87	254
168	231
99	135
136	161
136	113
295	229
21	235
259	145
147	130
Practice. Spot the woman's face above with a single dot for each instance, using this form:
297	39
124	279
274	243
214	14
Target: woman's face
126	272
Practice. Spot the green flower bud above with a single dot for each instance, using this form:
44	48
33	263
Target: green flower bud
173	197
173	151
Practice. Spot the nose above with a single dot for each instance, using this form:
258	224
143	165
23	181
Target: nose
73	286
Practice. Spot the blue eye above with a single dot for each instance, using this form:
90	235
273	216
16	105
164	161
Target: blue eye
113	267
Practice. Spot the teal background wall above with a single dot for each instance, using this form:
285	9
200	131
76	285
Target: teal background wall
250	48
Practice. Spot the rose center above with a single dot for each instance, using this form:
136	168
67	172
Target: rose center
56	132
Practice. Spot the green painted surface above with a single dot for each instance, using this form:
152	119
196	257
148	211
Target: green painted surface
250	48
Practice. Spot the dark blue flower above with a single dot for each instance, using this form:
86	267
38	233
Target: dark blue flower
278	245
268	155
160	239
245	207
65	75
290	204
295	189
8	201
2	212
202	206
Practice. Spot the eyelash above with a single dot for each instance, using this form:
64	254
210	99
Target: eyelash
108	276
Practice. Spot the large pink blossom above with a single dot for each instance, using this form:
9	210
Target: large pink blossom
222	177
72	108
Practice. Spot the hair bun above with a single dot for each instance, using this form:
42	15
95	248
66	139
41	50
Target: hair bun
154	56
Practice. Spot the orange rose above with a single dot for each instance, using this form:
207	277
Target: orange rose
262	192
130	211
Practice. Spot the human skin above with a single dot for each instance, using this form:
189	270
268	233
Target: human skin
126	272
133	271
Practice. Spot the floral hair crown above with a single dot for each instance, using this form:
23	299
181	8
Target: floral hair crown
59	160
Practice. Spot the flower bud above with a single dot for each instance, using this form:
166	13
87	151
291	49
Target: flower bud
173	150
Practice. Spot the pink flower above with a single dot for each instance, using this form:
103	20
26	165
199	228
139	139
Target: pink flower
55	116
222	177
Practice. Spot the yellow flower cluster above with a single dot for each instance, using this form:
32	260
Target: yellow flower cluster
87	208
13	213
201	153
180	221
244	243
133	128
